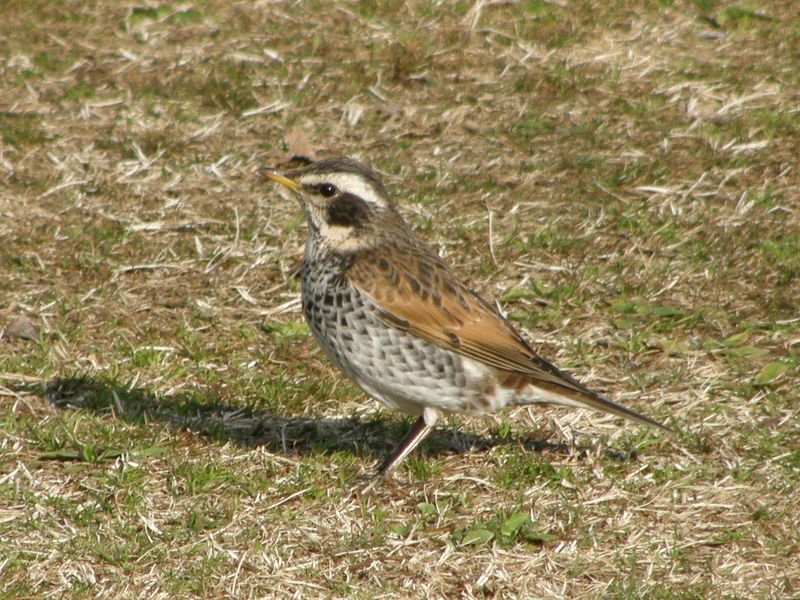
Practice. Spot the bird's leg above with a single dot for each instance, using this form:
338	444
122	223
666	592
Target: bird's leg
418	432
421	429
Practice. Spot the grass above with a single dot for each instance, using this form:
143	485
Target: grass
172	429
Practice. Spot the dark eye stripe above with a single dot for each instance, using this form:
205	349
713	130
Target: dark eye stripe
348	210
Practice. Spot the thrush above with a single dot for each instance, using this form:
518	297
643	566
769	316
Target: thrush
394	318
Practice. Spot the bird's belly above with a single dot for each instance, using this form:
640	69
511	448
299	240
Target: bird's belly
400	370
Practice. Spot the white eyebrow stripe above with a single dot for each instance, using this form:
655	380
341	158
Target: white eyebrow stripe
349	183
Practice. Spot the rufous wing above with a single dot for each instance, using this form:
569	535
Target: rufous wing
414	291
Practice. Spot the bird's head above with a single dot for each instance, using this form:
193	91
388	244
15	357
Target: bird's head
344	201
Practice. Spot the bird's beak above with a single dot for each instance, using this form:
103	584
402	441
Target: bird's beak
281	179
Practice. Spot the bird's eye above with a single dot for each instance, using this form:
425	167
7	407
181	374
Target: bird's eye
327	190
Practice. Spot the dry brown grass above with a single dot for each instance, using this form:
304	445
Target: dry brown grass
624	175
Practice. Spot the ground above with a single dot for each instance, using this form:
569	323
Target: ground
620	177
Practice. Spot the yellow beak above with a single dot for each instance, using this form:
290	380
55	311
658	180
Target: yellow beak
284	181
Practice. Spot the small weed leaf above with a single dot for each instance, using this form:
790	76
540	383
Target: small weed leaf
770	373
792	460
93	454
188	15
747	352
657	310
426	509
477	537
63	454
401	531
622	305
511	525
141	14
151	451
737	339
534	536
623	323
285	332
519	528
505	531
536	289
517	295
739	16
670	346
643	309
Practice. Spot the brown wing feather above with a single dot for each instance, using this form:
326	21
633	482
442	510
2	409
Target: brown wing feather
428	301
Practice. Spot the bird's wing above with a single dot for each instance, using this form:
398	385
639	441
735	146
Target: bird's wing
425	299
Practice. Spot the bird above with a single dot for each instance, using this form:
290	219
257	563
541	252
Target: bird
390	314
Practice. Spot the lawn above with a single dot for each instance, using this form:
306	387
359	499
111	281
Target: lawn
620	177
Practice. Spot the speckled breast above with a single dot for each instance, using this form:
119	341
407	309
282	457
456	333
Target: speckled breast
399	369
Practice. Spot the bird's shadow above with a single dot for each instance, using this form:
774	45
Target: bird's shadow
202	414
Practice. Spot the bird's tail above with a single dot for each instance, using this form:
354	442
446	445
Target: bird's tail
578	396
